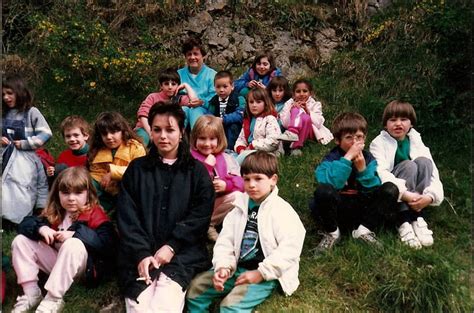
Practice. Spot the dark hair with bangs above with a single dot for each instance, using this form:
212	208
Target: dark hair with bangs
72	179
264	54
348	123
260	162
260	94
171	110
303	81
279	82
223	74
191	43
24	97
109	122
169	74
398	108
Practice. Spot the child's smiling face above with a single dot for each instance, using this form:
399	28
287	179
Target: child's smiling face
262	66
75	138
302	92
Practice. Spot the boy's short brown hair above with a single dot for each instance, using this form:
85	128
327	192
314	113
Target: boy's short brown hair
75	121
260	162
191	43
398	108
223	74
348	123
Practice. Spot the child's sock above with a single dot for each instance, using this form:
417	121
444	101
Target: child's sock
31	289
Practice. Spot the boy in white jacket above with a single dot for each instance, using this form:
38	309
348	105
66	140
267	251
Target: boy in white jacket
404	160
258	248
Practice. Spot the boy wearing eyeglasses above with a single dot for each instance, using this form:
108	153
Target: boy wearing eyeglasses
349	196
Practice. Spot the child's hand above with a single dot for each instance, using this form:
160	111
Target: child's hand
164	255
5	141
50	171
219	278
359	162
354	150
219	185
106	180
143	268
17	143
180	87
195	102
252	84
420	203
63	235
261	85
47	233
409	196
249	277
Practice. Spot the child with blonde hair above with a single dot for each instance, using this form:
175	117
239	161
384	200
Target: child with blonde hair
73	236
114	145
302	116
404	160
208	142
260	129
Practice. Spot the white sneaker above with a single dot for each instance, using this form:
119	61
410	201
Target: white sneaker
50	305
288	136
366	235
25	303
425	235
408	237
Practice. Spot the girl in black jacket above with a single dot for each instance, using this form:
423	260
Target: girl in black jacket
164	209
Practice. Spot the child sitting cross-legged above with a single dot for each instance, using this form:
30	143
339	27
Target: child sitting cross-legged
258	248
350	194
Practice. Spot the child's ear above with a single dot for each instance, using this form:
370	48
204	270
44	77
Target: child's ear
86	137
274	180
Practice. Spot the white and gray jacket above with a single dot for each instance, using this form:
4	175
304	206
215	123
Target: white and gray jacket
384	147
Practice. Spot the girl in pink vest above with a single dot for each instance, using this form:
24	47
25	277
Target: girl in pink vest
208	143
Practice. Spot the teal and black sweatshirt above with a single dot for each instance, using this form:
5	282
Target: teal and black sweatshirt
340	173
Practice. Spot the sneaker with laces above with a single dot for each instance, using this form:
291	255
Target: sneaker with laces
422	232
296	152
366	235
50	305
212	233
326	244
25	303
288	136
408	237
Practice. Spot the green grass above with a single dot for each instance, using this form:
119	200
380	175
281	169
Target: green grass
353	277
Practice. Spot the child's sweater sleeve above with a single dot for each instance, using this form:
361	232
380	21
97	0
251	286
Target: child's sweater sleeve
285	113
136	150
316	112
146	105
242	82
368	178
334	173
39	133
241	142
238	115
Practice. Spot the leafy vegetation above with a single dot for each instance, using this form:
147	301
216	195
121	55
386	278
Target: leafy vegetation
84	57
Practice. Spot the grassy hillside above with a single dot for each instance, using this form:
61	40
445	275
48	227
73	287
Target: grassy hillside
416	51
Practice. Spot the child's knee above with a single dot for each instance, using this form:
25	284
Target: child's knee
20	241
325	191
74	246
390	191
423	162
